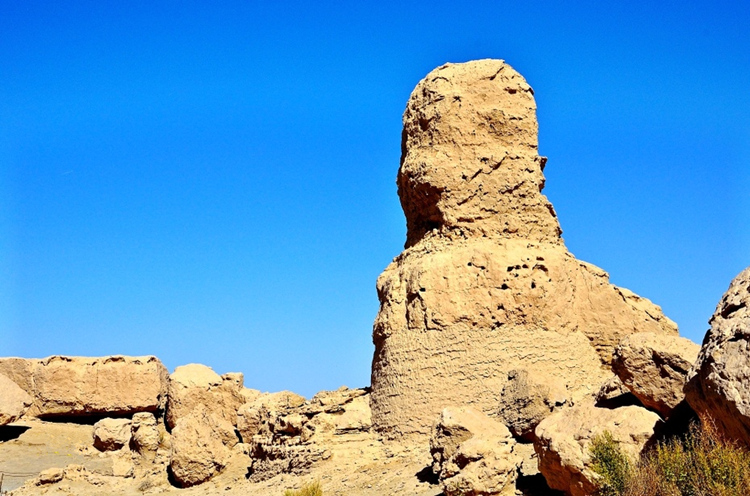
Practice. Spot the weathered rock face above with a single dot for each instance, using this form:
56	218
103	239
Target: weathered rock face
719	382
201	446
613	388
336	413
144	434
202	412
485	284
654	368
473	454
250	420
564	439
193	385
91	386
524	402
252	416
20	371
112	433
288	434
13	400
469	159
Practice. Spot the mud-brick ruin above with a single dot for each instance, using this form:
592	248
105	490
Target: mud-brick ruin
485	285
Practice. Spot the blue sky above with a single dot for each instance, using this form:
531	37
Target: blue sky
216	183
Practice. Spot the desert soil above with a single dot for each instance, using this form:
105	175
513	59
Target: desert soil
361	465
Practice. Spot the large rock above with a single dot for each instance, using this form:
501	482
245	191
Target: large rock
13	400
719	382
118	385
524	402
564	440
485	284
473	454
112	434
144	434
654	368
194	385
201	446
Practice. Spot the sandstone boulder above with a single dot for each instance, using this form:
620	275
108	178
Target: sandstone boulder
485	284
654	368
13	400
196	385
201	446
564	440
473	454
116	385
112	434
144	433
50	476
719	382
524	402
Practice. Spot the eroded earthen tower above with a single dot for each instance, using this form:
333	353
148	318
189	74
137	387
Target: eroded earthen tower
485	284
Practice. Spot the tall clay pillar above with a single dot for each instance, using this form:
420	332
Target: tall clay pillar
485	284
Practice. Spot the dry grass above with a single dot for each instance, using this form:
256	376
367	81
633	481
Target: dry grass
310	489
702	463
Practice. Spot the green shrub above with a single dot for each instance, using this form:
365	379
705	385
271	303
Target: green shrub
702	463
310	489
610	463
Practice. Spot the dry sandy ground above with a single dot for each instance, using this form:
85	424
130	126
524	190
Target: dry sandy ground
359	465
28	447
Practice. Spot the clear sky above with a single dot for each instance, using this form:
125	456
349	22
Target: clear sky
214	182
